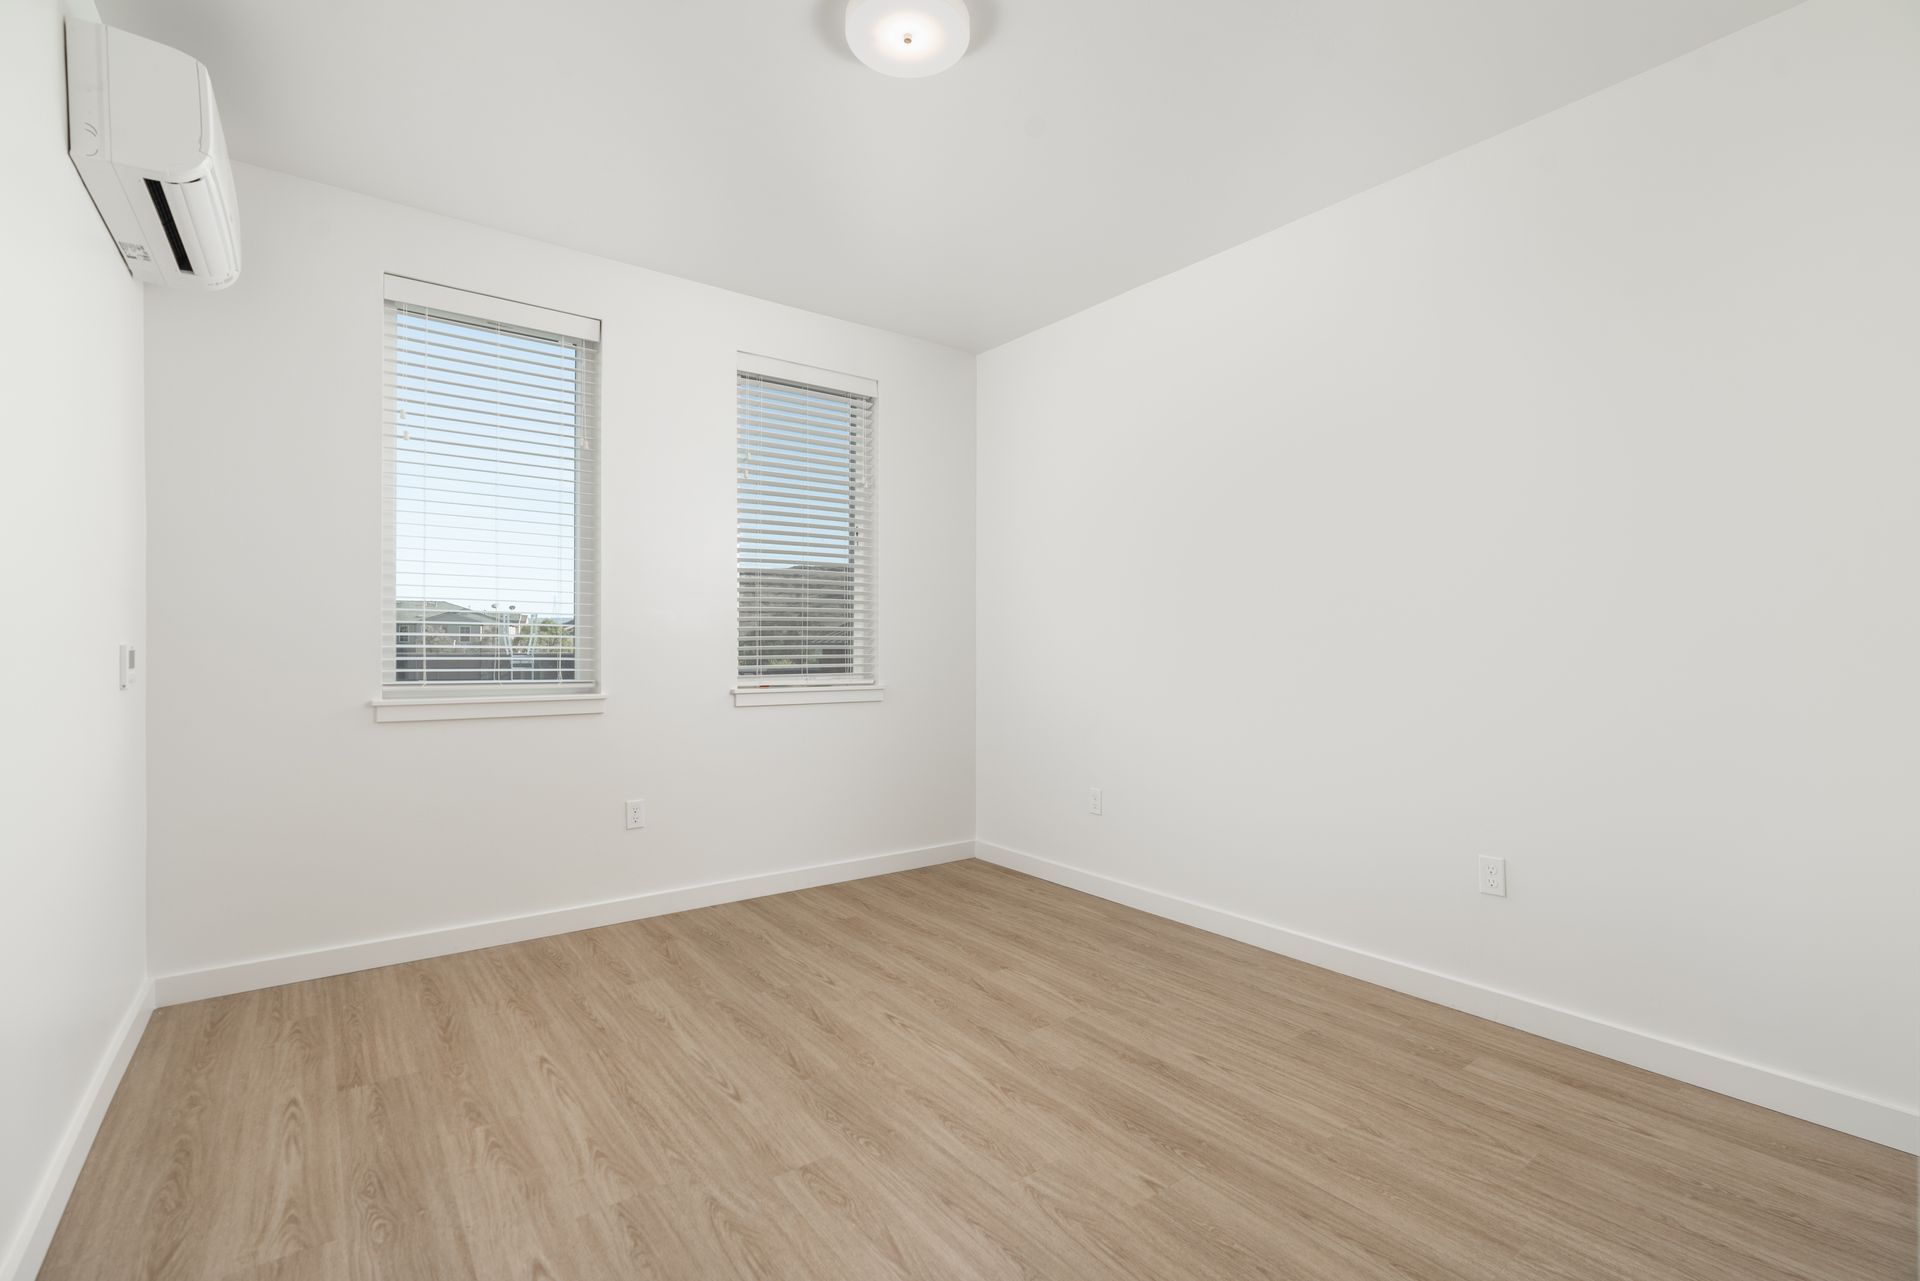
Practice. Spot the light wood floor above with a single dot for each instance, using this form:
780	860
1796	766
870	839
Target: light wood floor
952	1073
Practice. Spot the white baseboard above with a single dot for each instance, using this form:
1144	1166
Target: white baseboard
297	967
22	1258
1874	1119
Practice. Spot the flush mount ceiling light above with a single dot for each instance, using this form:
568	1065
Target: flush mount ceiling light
908	37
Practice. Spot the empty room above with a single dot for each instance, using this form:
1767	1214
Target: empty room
945	640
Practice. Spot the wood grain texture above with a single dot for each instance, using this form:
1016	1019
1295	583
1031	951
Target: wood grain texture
955	1072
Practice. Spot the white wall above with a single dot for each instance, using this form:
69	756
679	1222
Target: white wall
284	819
72	548
1556	501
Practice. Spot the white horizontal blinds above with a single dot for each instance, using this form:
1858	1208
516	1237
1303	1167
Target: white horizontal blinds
492	495
806	533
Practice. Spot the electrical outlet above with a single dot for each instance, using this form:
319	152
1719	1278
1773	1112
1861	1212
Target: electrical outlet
1096	801
636	814
1493	875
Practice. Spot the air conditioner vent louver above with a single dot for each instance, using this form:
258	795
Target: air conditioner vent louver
168	225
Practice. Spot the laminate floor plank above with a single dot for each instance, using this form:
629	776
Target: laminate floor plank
958	1072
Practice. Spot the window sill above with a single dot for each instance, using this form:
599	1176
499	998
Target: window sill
795	695
471	709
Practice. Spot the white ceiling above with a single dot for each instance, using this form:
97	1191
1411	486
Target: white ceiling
1081	147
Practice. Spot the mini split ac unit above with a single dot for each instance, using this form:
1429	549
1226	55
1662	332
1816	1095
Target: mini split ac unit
144	134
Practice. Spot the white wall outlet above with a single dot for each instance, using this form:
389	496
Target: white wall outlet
1096	801
636	814
1493	875
129	665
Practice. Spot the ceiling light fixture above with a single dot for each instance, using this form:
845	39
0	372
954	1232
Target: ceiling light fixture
908	37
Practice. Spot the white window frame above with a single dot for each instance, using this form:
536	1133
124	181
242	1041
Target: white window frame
747	693
411	701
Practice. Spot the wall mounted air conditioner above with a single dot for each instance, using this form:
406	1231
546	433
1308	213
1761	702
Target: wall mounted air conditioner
144	134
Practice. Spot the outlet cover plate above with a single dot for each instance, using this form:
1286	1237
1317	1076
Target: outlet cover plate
1493	876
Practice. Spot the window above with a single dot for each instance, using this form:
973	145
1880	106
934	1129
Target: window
491	498
806	534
